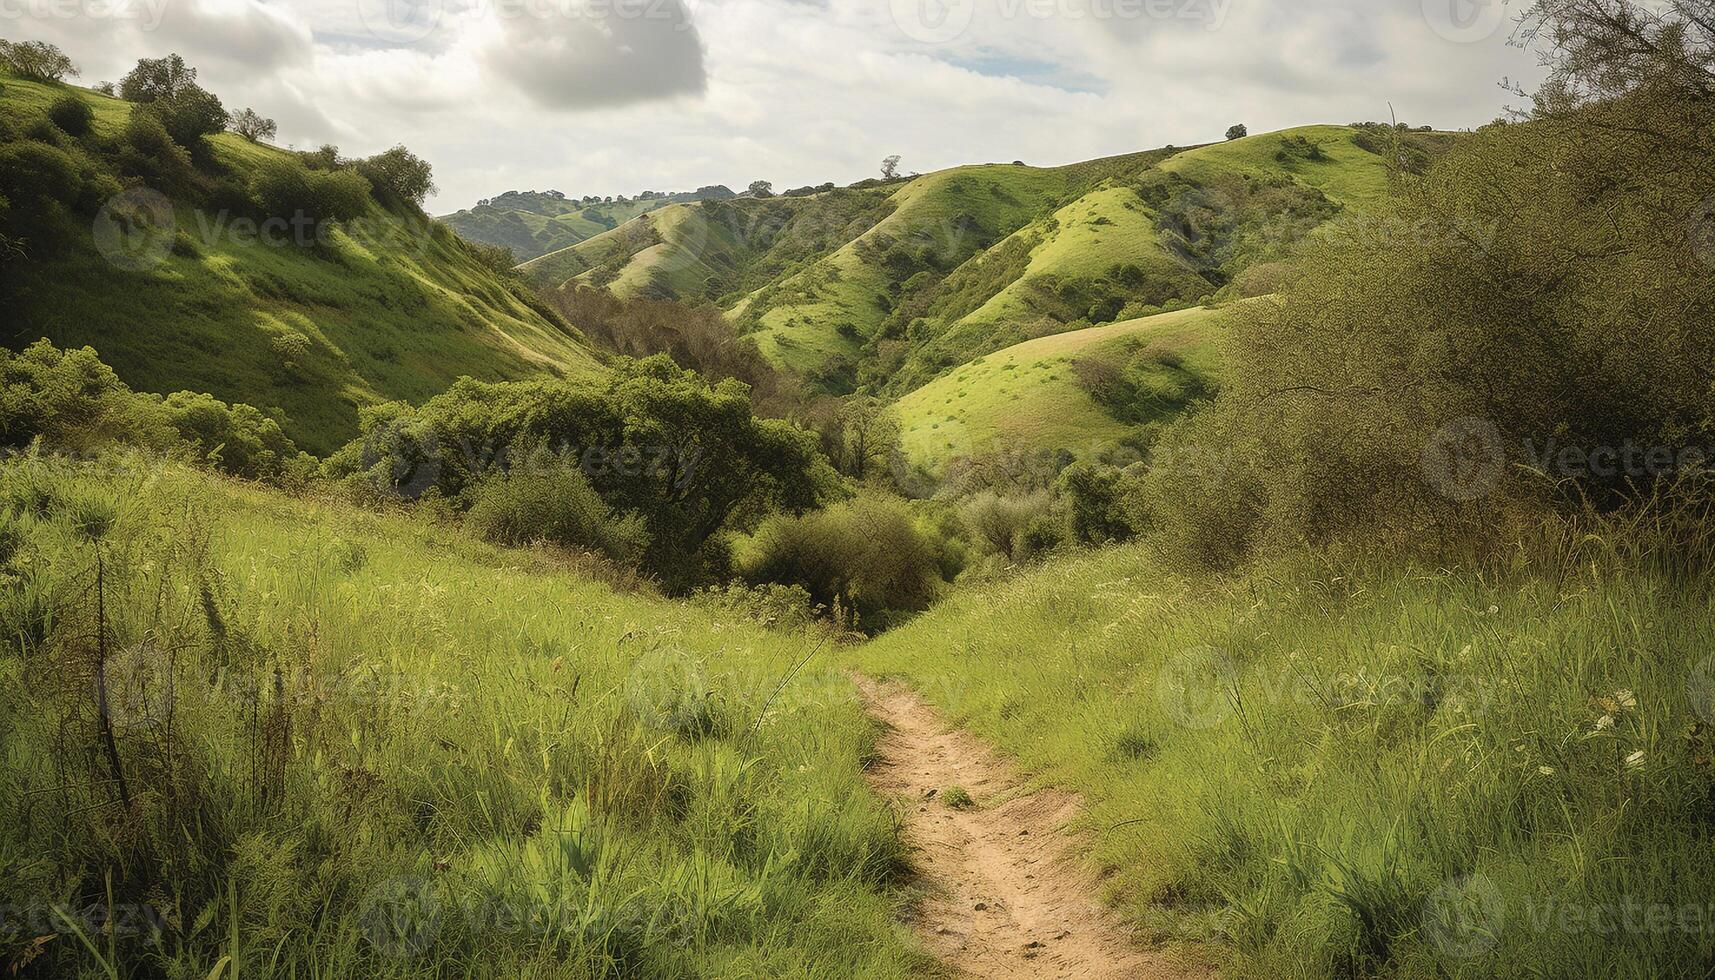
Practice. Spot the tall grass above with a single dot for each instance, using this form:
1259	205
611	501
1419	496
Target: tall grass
352	745
1322	771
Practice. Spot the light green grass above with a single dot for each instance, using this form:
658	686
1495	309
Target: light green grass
1027	398
390	309
1390	773
561	777
1350	176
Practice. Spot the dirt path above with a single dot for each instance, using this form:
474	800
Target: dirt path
1007	897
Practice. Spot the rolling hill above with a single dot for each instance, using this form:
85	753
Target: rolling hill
1084	390
938	270
386	306
532	223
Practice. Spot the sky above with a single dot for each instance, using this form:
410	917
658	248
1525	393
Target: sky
621	96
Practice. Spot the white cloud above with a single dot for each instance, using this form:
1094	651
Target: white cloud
672	94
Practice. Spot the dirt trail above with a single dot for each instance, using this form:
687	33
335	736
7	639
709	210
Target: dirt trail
1007	896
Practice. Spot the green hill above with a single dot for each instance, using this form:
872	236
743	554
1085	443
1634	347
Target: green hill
386	306
1083	390
533	224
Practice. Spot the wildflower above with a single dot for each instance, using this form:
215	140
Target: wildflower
1545	770
1626	699
1604	723
1635	760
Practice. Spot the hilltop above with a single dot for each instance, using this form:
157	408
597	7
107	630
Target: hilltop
180	288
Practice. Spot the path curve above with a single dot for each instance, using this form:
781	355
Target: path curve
1007	897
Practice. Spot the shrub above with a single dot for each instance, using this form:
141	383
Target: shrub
996	523
1096	503
72	402
867	556
236	439
72	114
545	497
288	190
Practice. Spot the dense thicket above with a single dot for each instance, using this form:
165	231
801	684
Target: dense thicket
1530	321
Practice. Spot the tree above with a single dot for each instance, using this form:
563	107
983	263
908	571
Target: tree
37	61
761	188
157	79
890	167
1238	132
168	85
253	127
401	174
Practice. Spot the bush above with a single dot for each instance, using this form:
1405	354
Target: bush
399	177
72	114
288	190
236	439
866	557
545	497
72	402
997	524
1096	503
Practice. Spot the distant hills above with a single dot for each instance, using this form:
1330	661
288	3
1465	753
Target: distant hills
533	223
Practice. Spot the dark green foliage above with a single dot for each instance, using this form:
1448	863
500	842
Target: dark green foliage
236	439
72	114
168	87
655	442
1096	502
399	177
1238	132
287	190
544	496
865	557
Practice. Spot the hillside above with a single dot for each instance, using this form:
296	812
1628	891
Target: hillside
938	270
1084	390
385	306
533	224
1385	772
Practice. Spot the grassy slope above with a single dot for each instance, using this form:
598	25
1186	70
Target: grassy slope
1351	176
531	234
1303	767
525	744
1028	397
395	313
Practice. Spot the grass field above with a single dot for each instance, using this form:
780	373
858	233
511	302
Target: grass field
362	746
1028	398
1395	772
386	308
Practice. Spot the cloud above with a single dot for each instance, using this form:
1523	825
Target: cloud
581	54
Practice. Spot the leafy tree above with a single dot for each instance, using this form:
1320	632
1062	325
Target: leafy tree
400	174
288	190
252	126
890	167
1238	132
761	188
168	86
325	157
37	61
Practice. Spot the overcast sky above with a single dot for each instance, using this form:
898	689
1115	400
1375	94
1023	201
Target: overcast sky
618	96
